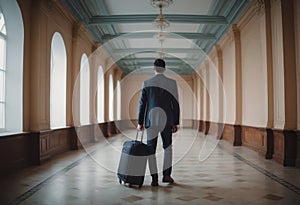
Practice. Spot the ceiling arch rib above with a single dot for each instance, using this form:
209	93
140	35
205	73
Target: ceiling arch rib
202	36
175	18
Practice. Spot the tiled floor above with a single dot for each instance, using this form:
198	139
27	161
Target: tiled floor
205	171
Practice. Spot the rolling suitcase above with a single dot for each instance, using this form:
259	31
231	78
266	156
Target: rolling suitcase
133	161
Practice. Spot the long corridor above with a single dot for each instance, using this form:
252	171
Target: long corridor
230	175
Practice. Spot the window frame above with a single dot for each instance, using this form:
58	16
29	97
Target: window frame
83	63
111	102
100	88
53	66
3	36
13	33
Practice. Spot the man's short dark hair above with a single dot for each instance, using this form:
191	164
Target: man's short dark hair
160	65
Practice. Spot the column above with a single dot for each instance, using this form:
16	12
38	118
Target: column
74	101
270	124
40	82
93	84
285	85
290	82
201	101
76	72
220	89
207	98
238	86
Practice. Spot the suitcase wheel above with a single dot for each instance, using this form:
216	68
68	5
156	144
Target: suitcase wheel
120	181
140	185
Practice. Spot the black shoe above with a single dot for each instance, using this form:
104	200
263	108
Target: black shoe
154	183
168	179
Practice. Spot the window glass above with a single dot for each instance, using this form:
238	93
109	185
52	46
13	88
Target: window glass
2	53
58	82
111	98
2	70
11	66
2	86
84	90
2	116
100	95
2	24
118	100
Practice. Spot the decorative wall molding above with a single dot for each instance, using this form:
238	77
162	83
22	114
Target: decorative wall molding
76	29
236	34
80	32
274	1
230	35
219	52
255	9
228	38
259	6
48	6
255	139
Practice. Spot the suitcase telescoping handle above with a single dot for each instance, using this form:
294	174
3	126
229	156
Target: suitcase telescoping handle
137	134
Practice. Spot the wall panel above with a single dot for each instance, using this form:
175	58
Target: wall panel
214	90
229	81
254	73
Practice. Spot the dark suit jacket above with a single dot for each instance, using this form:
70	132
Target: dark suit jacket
159	102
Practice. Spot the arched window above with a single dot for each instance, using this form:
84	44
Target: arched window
11	66
58	82
100	95
111	97
118	100
84	90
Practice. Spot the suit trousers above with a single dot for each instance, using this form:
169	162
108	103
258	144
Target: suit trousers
166	135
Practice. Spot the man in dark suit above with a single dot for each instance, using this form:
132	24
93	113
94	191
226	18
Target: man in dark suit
159	111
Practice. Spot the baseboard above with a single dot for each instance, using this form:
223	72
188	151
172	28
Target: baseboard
283	146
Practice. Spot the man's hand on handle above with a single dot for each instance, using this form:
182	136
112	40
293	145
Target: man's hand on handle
140	127
174	129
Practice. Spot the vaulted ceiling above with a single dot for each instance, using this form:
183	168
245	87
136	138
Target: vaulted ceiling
125	29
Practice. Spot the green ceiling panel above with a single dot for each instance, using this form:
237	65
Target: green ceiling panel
104	27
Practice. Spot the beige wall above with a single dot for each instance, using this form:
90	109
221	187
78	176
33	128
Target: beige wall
229	81
39	28
254	73
131	86
186	99
210	90
297	35
214	89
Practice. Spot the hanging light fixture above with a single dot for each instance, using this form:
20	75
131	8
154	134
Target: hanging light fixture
161	3
161	22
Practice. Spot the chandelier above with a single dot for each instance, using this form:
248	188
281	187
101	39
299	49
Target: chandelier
161	22
161	3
